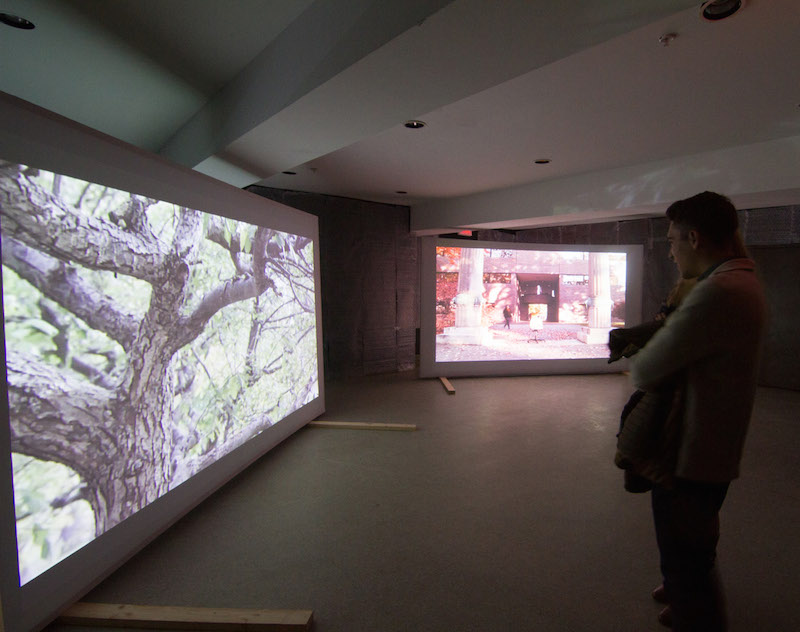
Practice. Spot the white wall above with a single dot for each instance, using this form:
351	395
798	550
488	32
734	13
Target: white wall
753	176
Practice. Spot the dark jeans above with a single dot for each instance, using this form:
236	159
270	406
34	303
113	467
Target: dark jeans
687	529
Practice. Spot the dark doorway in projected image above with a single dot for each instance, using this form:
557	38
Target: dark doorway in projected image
562	303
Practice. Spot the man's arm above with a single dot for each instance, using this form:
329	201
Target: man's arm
694	331
623	343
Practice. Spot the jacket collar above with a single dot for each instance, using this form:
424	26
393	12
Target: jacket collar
726	265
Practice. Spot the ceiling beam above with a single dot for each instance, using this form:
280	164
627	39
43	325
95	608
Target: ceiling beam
327	38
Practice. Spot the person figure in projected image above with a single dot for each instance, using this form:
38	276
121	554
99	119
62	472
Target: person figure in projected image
507	317
711	343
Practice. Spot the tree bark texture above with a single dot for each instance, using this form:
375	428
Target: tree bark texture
120	438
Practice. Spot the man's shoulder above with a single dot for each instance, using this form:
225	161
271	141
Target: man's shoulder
737	275
733	282
733	292
738	264
730	272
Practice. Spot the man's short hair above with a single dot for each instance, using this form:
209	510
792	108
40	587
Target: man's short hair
710	214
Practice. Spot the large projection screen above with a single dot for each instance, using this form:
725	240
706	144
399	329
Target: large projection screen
499	308
162	331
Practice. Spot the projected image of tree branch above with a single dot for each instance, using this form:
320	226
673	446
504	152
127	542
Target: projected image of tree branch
144	341
517	304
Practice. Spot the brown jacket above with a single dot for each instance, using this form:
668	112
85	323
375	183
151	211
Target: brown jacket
714	339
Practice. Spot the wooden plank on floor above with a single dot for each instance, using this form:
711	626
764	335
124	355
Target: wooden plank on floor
447	385
360	425
185	618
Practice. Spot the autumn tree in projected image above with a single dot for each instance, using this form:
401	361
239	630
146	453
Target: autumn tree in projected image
446	288
144	341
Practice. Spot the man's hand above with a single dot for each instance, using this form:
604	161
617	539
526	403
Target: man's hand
619	345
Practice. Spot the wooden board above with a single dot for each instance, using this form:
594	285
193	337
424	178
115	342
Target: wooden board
185	618
447	385
359	425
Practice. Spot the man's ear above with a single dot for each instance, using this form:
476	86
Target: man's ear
694	239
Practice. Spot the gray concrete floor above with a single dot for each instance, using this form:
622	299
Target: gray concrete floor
504	512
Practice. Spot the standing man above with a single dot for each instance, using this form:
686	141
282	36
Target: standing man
507	317
710	345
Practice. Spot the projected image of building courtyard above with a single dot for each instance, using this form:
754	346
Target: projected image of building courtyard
514	304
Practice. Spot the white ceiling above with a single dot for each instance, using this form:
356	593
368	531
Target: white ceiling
244	90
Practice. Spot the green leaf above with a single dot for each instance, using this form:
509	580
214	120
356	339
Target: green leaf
231	226
39	535
42	326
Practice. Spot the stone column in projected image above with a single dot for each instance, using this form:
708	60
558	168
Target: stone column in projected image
468	302
600	301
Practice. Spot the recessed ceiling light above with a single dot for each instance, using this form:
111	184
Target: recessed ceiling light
720	9
414	124
16	21
289	173
542	161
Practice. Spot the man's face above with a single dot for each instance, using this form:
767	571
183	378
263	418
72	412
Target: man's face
682	251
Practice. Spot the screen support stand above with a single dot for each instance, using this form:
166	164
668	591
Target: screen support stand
361	425
185	618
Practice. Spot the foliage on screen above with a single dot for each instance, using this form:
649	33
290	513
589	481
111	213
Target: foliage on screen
144	341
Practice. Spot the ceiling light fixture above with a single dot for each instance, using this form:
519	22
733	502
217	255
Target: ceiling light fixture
414	124
542	161
289	173
16	21
720	9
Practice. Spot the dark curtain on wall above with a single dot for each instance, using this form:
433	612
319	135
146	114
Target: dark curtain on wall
370	285
779	267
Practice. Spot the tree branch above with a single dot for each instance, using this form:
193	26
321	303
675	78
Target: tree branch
42	221
188	233
57	416
62	284
260	242
275	265
215	232
135	215
79	492
50	314
227	293
256	325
